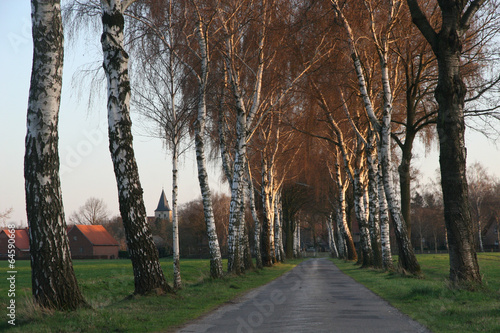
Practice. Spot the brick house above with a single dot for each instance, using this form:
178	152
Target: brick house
22	243
91	242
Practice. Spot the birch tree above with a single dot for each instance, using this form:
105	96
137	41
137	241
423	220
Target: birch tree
278	230
407	259
158	97
188	43
248	49
446	42
334	252
255	217
233	16
148	275
343	185
293	198
54	284
481	186
203	56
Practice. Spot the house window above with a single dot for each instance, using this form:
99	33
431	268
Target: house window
74	238
81	250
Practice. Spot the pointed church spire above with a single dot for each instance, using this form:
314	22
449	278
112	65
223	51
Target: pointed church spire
163	203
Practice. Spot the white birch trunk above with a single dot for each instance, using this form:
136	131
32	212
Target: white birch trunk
359	208
175	220
53	279
342	248
247	262
480	236
385	238
148	274
278	230
374	205
199	136
268	255
235	256
407	259
296	240
334	252
343	225
255	217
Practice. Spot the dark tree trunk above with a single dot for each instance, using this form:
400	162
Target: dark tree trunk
450	93
54	283
288	227
266	251
148	274
404	169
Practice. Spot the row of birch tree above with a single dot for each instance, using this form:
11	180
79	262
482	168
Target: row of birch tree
299	101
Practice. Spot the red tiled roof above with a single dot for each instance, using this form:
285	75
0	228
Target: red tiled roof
96	234
22	238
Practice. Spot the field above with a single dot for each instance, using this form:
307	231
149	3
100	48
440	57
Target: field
108	286
430	300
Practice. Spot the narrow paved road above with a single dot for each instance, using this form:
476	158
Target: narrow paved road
313	297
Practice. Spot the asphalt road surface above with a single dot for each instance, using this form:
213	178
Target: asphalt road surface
315	296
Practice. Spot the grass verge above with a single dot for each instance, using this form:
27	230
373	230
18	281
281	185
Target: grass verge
107	286
431	301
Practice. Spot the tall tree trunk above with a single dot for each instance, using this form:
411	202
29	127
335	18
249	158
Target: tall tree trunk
331	237
235	219
268	255
235	256
359	192
385	234
404	169
289	224
296	239
175	220
342	248
278	230
54	283
344	227
407	259
148	275
359	206
216	270
450	93
374	206
255	217
246	254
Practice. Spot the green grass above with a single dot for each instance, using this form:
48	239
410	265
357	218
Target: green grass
108	286
431	301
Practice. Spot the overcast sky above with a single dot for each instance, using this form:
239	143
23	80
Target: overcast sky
86	168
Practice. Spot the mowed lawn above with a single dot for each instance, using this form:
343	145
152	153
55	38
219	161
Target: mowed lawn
431	301
108	286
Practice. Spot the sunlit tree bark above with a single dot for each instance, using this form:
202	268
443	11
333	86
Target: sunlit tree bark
407	259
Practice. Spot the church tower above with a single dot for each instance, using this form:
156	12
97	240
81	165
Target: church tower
163	210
